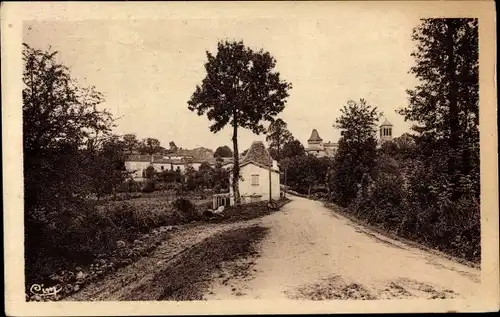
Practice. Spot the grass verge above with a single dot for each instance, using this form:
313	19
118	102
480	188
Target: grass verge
397	237
188	277
247	212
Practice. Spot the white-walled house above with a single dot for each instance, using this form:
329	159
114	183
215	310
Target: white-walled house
260	176
137	164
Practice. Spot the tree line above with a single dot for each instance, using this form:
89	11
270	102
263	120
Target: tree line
423	185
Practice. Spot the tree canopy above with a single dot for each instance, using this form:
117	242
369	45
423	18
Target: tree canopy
223	151
445	105
150	146
62	122
241	89
277	136
292	148
131	142
356	154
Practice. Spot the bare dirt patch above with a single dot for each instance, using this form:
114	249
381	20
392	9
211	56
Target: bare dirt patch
335	288
414	288
329	289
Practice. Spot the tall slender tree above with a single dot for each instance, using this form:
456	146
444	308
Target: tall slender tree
445	104
242	89
356	155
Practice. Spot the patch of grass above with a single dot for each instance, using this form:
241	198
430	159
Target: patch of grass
188	277
247	211
89	231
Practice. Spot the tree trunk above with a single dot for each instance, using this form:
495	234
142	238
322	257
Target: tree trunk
270	184
236	165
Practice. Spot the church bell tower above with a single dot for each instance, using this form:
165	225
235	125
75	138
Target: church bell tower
385	131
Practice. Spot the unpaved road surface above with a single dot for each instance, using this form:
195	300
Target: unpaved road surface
138	280
313	253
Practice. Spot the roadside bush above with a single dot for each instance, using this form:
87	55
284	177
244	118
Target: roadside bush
418	205
186	210
149	186
129	186
78	234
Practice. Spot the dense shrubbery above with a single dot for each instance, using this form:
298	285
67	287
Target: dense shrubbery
74	171
186	210
306	174
419	207
150	186
424	187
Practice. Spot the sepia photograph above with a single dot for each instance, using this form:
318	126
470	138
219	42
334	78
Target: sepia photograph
203	155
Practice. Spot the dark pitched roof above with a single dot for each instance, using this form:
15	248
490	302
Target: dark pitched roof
258	153
315	136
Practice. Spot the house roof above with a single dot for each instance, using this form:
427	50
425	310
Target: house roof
315	136
258	154
330	144
160	159
259	165
197	154
141	157
386	123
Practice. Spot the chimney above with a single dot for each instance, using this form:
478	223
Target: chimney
275	164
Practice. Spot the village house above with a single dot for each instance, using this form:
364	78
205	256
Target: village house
138	163
260	177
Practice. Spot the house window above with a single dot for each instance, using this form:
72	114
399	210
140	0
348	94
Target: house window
255	180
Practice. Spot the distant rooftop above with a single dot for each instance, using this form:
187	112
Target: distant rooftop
330	144
258	153
386	123
315	136
166	159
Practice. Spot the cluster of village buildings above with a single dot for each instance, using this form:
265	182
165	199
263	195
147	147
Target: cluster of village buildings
260	175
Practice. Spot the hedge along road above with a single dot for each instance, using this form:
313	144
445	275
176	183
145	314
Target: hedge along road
313	253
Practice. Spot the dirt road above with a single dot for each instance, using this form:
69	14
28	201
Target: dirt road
313	253
139	280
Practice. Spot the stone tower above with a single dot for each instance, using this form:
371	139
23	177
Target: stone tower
385	131
315	144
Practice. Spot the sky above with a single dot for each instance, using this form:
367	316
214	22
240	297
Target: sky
148	69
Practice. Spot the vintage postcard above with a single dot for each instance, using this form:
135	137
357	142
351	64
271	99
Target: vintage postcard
249	157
